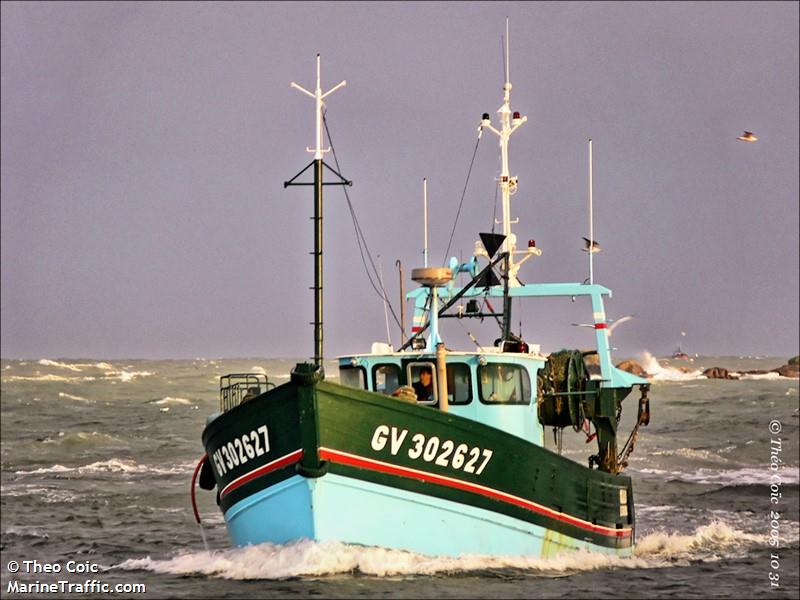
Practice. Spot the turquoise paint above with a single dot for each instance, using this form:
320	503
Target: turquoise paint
611	376
279	514
521	420
339	508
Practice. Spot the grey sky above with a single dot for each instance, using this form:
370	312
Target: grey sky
145	146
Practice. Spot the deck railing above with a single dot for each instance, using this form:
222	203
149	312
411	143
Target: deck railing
236	388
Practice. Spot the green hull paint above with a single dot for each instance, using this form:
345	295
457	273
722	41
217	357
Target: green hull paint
376	438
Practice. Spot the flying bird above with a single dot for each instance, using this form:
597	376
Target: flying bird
617	322
747	136
611	323
590	245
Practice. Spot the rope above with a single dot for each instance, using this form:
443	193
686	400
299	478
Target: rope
194	479
461	202
360	239
194	499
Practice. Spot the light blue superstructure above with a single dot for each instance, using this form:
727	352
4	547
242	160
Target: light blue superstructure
520	420
324	509
612	377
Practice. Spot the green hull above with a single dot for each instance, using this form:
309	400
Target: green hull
312	427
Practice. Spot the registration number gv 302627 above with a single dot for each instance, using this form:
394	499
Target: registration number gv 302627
240	450
445	453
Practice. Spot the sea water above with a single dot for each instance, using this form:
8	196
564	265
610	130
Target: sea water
97	457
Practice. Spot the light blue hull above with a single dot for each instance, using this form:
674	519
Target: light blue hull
334	507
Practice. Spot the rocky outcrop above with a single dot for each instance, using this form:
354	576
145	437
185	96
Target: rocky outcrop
631	366
719	373
788	370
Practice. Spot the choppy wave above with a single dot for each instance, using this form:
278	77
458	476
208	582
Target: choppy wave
744	476
49	495
111	373
126	376
26	532
663	373
53	363
114	465
72	397
707	455
169	400
48	377
306	558
82	439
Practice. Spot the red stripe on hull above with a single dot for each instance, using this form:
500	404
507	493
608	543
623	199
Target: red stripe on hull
276	464
375	465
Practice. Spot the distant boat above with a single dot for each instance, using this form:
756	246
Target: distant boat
680	354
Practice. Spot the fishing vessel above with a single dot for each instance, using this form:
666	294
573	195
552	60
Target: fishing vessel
427	448
680	354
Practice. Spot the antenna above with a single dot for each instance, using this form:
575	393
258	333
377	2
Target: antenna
591	218
385	300
425	221
318	97
508	57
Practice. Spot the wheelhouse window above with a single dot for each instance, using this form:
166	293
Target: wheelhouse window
459	384
385	378
354	377
422	377
504	383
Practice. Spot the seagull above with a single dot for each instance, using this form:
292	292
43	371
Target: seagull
595	247
617	322
610	327
747	136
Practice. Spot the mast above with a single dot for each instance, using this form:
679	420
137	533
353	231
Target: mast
318	163
509	123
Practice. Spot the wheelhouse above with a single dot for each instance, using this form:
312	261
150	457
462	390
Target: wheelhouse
498	389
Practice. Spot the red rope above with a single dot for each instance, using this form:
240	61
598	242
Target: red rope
194	479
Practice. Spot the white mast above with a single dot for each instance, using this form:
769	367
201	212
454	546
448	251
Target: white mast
509	123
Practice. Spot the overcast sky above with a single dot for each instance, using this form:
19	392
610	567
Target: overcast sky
145	146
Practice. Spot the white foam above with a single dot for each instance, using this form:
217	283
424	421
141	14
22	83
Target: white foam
113	465
72	397
172	401
743	476
26	531
49	377
770	375
661	373
308	559
47	495
127	376
707	455
52	363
